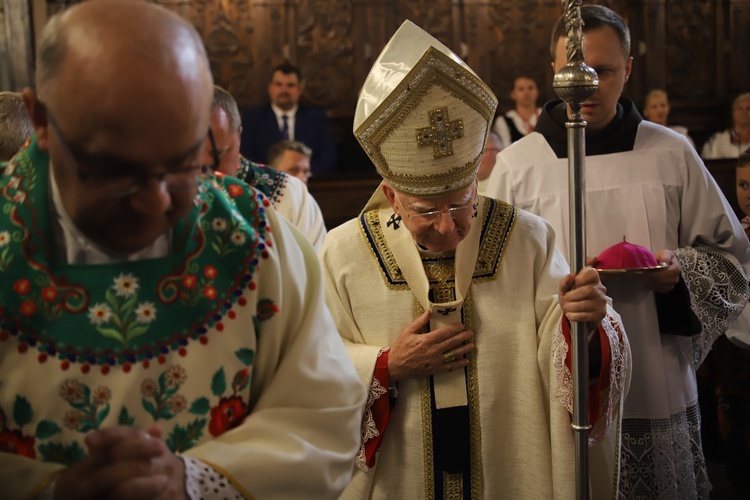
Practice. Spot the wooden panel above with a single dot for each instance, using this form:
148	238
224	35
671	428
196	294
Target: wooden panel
699	50
342	199
16	56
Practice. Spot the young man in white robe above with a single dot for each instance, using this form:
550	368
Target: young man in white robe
647	184
163	334
455	307
286	194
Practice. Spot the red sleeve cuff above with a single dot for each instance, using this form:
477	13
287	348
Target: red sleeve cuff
602	380
380	408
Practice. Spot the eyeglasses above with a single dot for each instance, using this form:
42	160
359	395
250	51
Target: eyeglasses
120	183
456	213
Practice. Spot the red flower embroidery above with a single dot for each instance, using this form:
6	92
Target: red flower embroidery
28	308
49	294
21	287
17	444
234	190
189	281
209	292
210	272
229	414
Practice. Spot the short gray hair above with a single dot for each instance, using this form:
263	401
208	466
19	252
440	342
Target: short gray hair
225	101
15	125
277	150
737	100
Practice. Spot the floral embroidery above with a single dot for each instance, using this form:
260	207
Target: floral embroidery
231	410
128	320
125	285
160	398
266	309
14	441
45	302
90	408
117	316
226	235
196	286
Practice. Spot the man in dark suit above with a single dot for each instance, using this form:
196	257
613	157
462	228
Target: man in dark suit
284	118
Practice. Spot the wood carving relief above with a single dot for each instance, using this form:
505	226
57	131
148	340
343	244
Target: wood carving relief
336	41
689	46
325	51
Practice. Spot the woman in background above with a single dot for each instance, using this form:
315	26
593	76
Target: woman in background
656	109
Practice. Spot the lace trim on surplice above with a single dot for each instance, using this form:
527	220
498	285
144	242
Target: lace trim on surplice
662	459
718	293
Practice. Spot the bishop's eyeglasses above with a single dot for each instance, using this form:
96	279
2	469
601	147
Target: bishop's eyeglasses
433	216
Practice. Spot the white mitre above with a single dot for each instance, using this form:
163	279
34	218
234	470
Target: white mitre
423	116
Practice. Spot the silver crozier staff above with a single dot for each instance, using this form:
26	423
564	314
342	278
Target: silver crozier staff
575	83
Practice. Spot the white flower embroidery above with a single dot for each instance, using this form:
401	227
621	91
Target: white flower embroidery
125	285
219	224
4	238
238	238
146	312
14	182
99	314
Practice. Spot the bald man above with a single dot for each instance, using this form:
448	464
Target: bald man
136	291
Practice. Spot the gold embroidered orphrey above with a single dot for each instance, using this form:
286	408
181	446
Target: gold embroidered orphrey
441	133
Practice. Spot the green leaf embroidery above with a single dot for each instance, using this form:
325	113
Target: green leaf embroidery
102	414
87	425
22	413
46	428
125	419
184	438
150	408
200	406
219	382
62	454
136	331
129	305
111	333
245	355
112	301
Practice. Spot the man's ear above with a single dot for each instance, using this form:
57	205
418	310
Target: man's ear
628	68
390	195
38	116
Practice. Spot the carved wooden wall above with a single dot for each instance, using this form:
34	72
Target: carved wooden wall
698	50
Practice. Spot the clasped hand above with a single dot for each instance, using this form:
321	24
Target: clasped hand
125	463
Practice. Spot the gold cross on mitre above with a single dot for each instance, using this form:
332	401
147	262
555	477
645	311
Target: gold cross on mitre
441	133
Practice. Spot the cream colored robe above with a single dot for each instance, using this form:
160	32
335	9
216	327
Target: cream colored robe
517	386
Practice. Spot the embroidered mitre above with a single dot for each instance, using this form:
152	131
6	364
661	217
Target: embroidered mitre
423	116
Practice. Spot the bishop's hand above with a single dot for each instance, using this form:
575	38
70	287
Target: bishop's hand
583	297
415	354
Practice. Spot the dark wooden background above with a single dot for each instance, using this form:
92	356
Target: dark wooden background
698	50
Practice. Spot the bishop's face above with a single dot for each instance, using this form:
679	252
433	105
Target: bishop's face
437	224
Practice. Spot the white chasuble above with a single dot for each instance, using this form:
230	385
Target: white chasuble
516	384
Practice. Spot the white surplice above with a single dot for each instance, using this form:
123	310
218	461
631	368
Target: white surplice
659	195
